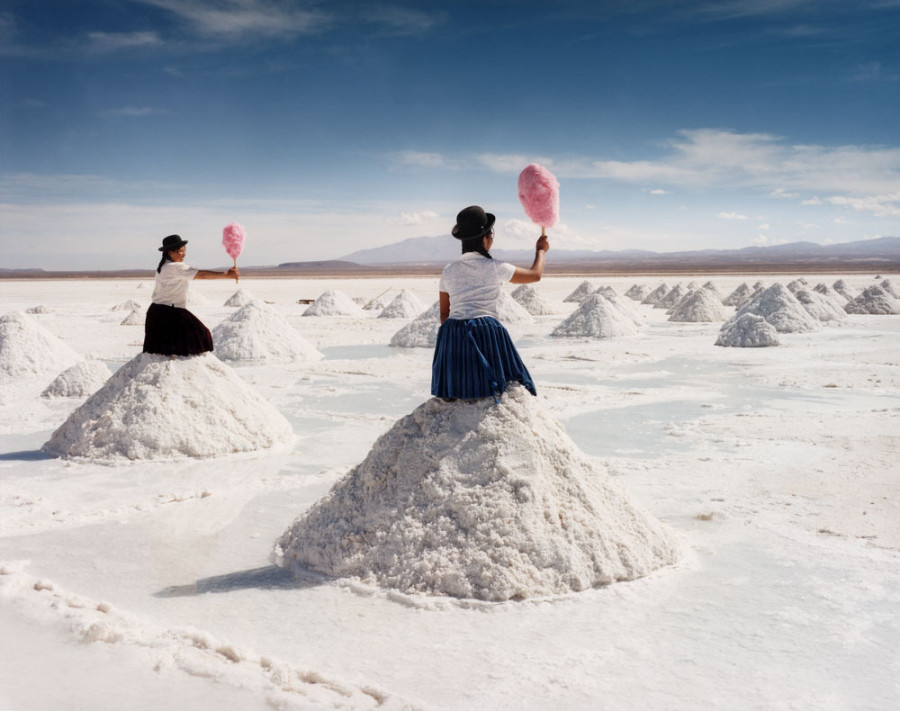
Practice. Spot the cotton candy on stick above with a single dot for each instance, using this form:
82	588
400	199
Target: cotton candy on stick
233	241
539	195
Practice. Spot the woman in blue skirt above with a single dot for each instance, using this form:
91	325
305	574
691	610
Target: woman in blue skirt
474	356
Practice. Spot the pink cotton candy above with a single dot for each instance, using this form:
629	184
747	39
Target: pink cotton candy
233	239
539	194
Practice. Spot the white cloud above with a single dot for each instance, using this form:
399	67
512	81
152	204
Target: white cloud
409	219
764	226
732	216
403	21
135	112
812	201
105	42
878	205
418	159
659	191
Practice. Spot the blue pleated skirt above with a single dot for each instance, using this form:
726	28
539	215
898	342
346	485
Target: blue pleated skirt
475	358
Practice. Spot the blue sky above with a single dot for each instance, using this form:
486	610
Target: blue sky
327	127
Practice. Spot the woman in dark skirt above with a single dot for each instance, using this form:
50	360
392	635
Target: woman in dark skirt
170	329
474	356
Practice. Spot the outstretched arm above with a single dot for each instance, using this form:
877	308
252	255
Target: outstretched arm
232	273
529	276
445	305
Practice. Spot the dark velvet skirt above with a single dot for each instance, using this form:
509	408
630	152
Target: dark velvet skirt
475	358
169	330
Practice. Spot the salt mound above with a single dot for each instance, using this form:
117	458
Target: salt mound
709	286
379	302
162	407
747	331
655	295
511	311
333	303
889	288
582	292
638	292
738	297
259	332
27	349
129	305
79	380
671	299
624	305
404	305
39	309
780	308
797	284
701	305
461	499
845	290
420	332
135	318
820	307
597	317
873	300
531	301
836	296
241	297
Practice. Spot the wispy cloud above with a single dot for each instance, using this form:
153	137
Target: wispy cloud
106	42
418	159
732	216
135	112
403	21
878	205
410	219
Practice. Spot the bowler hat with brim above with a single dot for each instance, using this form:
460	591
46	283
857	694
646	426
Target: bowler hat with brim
472	222
171	243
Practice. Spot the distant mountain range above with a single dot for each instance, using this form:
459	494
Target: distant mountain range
441	250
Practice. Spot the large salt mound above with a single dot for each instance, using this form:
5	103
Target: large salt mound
334	303
747	331
671	299
259	332
27	349
819	306
780	308
582	292
462	499
624	305
404	305
421	332
701	305
873	300
597	317
162	407
239	298
511	311
79	380
638	292
655	295
738	297
836	296
889	288
531	301
845	290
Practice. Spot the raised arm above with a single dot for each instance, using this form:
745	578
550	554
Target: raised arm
529	276
445	305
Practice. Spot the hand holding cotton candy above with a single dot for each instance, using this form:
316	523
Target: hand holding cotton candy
233	241
539	195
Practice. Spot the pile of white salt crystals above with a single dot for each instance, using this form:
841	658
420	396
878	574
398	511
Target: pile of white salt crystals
471	499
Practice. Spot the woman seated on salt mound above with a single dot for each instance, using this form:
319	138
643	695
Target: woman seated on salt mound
170	329
474	357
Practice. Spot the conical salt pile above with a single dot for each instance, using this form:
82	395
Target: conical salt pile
888	286
239	298
582	292
739	296
129	305
511	311
709	286
780	308
624	305
333	303
845	290
654	296
671	299
701	305
836	296
638	292
135	318
378	303
79	380
531	301
259	332
747	331
873	300
404	305
463	499
162	407
421	332
27	349
597	317
819	306
39	309
798	284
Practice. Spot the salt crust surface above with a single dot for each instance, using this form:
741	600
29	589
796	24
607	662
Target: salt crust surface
747	331
780	308
475	500
161	407
79	380
531	301
258	332
333	303
404	305
27	349
598	317
701	305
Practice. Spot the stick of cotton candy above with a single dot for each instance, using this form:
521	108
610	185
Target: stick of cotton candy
539	195
233	241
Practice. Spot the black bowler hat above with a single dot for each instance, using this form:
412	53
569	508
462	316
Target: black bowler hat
171	243
472	222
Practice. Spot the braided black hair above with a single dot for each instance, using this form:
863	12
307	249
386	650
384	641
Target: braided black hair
476	244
